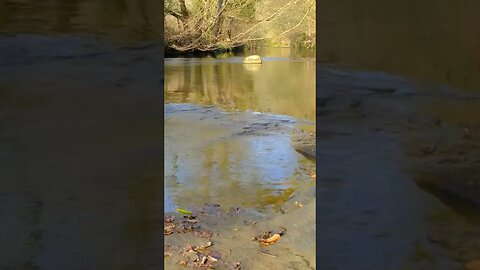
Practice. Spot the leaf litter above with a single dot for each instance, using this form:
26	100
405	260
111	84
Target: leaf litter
205	256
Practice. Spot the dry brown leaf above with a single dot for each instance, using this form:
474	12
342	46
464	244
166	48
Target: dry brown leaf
274	238
168	229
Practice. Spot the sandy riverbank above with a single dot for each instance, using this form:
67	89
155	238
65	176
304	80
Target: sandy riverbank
378	136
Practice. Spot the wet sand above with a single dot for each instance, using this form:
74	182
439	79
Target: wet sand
81	154
374	134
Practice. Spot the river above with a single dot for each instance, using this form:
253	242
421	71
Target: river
82	160
242	155
282	85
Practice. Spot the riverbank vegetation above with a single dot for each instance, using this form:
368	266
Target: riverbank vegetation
209	25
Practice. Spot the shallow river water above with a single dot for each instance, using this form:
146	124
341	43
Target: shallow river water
233	148
283	84
202	163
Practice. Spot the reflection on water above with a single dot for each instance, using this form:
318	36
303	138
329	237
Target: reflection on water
436	41
125	19
280	85
204	164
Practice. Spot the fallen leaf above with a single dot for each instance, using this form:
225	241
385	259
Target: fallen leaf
183	211
169	219
168	229
274	238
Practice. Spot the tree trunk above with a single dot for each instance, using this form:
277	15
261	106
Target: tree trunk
183	8
219	19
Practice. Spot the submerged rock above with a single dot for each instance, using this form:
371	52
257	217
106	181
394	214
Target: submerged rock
308	150
305	144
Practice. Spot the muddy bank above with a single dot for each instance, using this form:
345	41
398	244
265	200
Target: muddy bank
267	185
379	136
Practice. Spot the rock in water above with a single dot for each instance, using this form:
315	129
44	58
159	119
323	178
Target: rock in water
252	59
307	150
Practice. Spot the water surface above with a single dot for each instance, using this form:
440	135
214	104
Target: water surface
206	162
432	41
283	84
203	163
131	20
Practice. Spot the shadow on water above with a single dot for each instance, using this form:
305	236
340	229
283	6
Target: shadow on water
117	19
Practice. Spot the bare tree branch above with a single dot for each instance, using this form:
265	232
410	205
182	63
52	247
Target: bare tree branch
215	24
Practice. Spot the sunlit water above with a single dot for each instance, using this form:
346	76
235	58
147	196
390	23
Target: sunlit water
205	163
211	166
283	84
